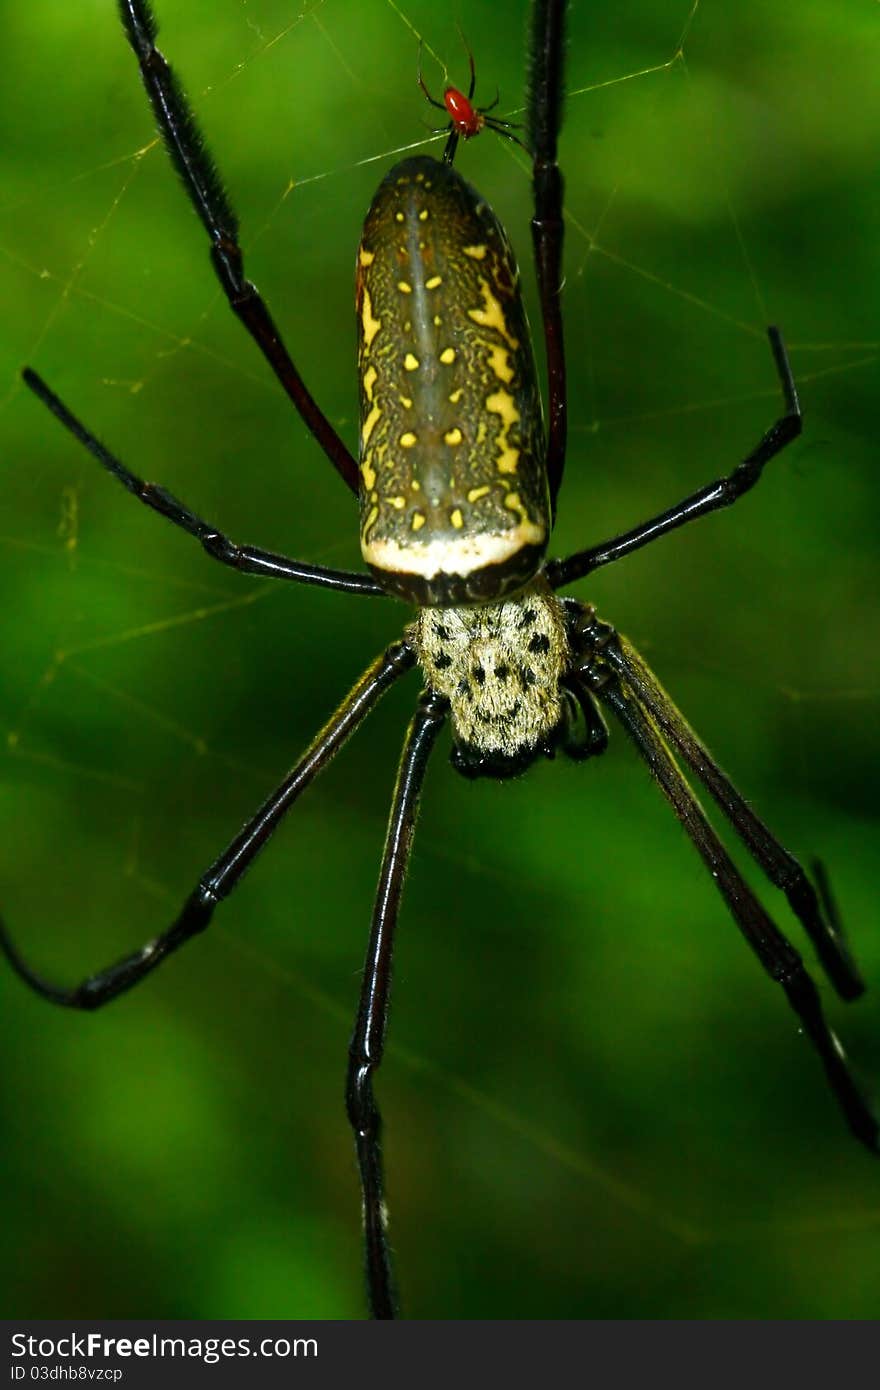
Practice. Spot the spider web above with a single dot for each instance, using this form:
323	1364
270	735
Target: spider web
594	1103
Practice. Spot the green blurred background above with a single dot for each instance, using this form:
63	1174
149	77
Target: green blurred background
596	1106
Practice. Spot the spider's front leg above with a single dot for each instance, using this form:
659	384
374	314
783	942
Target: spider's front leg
618	677
368	1040
226	871
815	910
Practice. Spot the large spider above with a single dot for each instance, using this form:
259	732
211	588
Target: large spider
458	484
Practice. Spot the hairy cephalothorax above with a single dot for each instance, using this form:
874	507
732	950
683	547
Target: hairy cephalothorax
499	665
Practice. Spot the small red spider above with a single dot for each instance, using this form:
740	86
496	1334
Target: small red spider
465	119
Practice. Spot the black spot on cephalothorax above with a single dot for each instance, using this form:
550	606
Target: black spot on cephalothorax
502	672
539	643
441	632
527	677
528	617
465	689
442	661
514	709
479	675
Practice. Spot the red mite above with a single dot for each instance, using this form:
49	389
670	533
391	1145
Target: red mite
466	119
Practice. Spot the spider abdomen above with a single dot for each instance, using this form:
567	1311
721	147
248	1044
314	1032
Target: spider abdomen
499	665
454	498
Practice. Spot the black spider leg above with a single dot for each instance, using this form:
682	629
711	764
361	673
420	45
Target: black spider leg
781	868
775	953
451	146
544	120
584	733
245	558
722	493
186	146
452	141
226	871
368	1040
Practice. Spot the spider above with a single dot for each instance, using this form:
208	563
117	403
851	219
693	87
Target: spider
465	119
458	481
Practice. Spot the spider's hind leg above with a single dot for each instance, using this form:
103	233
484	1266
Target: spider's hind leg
247	559
722	493
186	148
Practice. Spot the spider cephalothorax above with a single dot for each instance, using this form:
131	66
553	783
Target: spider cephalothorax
500	666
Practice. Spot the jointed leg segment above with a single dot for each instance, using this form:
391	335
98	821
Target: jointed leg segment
226	871
247	559
615	674
368	1040
781	868
544	120
186	146
722	493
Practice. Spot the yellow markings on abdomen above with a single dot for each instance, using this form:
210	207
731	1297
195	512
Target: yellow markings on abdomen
514	503
450	423
502	403
370	423
370	325
499	363
491	315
